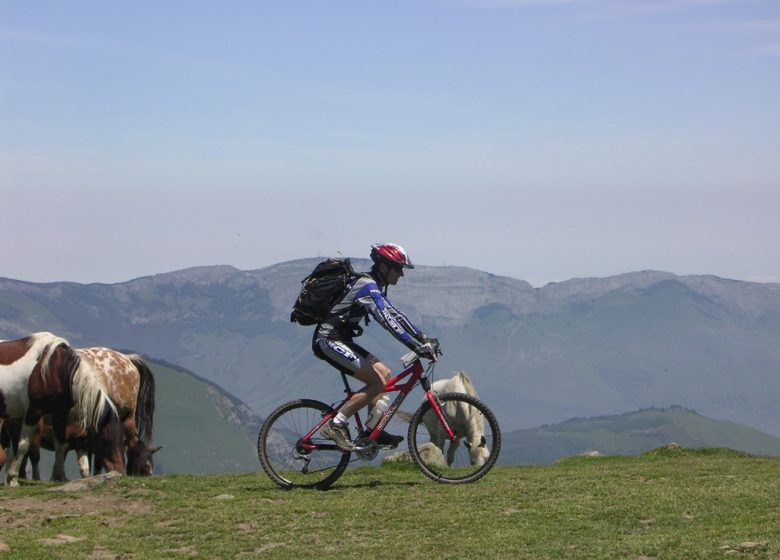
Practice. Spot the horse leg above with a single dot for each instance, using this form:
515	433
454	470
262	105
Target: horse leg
12	476
33	458
59	425
451	451
23	468
60	452
83	460
5	441
34	454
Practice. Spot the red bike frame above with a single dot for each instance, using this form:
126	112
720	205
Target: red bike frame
415	373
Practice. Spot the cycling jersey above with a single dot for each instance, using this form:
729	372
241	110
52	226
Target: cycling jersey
365	297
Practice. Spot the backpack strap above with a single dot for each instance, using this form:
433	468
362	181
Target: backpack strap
355	330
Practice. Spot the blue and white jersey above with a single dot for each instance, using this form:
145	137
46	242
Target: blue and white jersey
365	296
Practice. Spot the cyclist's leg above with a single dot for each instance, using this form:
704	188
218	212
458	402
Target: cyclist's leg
355	361
374	374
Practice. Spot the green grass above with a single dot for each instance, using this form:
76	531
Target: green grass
666	504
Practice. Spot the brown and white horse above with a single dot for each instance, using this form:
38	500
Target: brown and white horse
40	375
130	385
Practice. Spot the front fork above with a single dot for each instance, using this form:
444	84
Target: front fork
436	406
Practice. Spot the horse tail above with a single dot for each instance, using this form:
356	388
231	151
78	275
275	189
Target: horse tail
144	405
91	402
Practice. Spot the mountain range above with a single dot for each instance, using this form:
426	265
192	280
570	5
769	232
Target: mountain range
581	348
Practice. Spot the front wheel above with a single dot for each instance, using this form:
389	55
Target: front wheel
470	455
291	459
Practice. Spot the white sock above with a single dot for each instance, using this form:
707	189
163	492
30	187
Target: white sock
340	419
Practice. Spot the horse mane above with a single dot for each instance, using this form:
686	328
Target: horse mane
45	343
473	413
464	378
90	397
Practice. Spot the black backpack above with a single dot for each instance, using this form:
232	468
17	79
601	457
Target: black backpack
327	284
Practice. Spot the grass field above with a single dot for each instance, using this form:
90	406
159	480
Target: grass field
666	504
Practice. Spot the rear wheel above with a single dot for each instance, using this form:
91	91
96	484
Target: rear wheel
285	458
475	449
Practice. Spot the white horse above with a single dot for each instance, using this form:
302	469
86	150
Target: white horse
465	420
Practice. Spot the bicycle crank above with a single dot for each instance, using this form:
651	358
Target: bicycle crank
367	449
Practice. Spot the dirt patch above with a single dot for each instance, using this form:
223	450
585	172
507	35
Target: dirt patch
184	551
29	511
61	539
101	553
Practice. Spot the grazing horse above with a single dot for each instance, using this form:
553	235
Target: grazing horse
40	375
130	384
464	419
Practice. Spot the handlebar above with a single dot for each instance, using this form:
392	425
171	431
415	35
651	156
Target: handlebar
410	357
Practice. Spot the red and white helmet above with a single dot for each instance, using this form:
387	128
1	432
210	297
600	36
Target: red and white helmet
392	254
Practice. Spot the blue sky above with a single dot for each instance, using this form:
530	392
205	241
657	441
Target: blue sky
537	139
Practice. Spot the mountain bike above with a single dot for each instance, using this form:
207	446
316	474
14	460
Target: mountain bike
453	437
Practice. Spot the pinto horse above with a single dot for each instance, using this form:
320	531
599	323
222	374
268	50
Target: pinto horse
130	384
40	375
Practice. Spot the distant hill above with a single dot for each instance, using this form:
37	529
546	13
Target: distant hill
580	348
202	428
632	433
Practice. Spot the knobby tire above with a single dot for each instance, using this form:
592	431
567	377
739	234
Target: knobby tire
434	462
284	462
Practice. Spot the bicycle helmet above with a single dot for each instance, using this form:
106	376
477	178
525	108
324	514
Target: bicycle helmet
391	254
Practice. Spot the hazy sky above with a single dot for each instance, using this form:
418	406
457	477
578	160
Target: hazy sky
539	139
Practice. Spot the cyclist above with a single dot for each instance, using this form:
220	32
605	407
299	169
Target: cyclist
333	342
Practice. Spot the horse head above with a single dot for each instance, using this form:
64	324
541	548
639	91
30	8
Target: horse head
478	451
140	462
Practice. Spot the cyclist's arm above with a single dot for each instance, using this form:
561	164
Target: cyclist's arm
407	325
370	298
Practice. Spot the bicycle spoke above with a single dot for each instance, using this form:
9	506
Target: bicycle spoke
291	465
473	452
